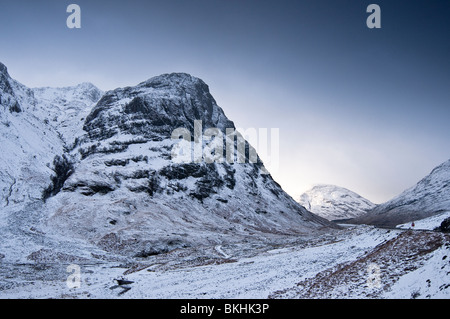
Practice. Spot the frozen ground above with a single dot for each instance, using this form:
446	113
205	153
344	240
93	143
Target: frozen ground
410	264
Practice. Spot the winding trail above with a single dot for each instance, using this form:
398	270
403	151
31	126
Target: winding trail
218	248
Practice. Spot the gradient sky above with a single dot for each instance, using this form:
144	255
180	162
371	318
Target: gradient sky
366	109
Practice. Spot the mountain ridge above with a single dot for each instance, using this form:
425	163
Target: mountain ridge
429	196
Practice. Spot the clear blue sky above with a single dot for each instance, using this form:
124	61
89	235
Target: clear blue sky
367	109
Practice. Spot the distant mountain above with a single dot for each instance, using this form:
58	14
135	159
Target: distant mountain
85	170
428	197
334	202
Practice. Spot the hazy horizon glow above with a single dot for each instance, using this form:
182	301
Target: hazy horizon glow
360	108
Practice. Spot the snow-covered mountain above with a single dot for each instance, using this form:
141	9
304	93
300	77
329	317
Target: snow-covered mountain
35	126
141	201
87	173
428	197
27	143
334	202
94	179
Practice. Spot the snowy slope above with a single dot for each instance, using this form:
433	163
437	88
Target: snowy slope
328	266
66	108
28	144
407	265
334	202
36	125
428	197
431	280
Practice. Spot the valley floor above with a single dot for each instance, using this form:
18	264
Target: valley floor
357	262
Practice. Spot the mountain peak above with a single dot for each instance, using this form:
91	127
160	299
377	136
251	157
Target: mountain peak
13	95
86	85
334	202
154	108
445	166
177	82
174	77
3	68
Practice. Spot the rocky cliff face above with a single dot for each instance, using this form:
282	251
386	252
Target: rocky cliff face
154	108
14	97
